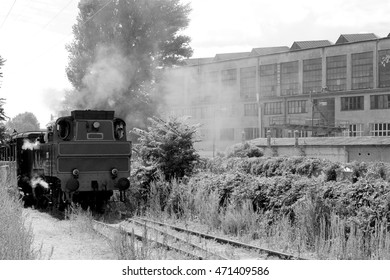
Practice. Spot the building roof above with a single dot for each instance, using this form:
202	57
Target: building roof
350	38
300	45
226	56
197	61
268	50
326	141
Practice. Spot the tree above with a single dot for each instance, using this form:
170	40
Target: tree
2	61
2	101
117	48
2	119
23	122
168	146
2	114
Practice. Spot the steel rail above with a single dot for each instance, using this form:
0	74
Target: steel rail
222	240
100	227
132	220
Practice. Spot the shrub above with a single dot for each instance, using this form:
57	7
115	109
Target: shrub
245	150
168	146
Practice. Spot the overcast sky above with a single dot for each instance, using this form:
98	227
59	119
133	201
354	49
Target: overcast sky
33	34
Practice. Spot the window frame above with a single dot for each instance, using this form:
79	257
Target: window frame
350	103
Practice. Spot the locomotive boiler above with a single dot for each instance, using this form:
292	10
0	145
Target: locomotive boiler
80	158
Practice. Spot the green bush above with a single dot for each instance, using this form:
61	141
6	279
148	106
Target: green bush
166	148
244	150
169	147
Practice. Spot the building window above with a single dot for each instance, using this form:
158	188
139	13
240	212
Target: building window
227	134
312	75
354	130
352	103
229	77
248	83
362	70
380	129
384	68
301	133
268	79
205	112
273	108
210	82
251	109
194	85
336	72
193	112
289	81
251	133
296	107
380	101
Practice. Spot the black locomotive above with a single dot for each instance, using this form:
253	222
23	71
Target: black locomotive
81	158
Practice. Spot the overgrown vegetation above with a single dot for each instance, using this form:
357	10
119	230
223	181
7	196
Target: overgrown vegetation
166	148
300	205
15	238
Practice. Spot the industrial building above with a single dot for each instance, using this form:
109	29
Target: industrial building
317	88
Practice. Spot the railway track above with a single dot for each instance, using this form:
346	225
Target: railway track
259	252
194	244
156	237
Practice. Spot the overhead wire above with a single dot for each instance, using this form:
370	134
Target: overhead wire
66	36
9	12
50	21
53	18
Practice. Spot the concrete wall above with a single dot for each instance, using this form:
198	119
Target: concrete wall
335	153
369	153
8	175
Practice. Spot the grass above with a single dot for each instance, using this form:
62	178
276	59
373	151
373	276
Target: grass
16	237
312	234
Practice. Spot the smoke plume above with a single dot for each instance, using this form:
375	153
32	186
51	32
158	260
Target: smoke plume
106	79
35	181
28	145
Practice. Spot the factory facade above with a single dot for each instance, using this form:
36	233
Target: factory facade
317	88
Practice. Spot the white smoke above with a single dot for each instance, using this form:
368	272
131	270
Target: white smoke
106	79
28	145
38	181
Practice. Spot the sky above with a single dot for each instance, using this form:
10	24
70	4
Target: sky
33	35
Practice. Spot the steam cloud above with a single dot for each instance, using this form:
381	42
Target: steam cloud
106	79
35	181
28	145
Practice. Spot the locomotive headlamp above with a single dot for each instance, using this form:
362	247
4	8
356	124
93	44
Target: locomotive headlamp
75	173
114	172
96	125
123	184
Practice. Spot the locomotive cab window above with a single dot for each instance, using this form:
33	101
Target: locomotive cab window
63	129
119	129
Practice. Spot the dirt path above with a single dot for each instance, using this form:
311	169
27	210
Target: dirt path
65	239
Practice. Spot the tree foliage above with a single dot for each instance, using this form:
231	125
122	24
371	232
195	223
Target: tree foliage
1	64
2	119
23	122
168	146
2	114
118	46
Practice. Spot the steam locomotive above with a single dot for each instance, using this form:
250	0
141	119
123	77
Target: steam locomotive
80	158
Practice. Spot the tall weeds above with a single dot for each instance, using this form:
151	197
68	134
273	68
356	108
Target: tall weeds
16	238
311	229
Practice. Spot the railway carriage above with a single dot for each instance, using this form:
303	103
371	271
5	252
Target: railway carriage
83	158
